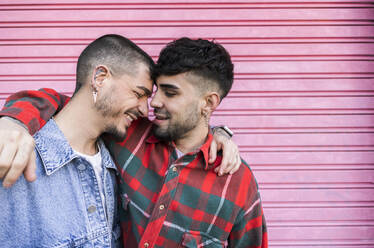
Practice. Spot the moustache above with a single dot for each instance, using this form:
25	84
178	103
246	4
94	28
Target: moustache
161	112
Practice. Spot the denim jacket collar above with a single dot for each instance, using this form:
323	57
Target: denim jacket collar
55	151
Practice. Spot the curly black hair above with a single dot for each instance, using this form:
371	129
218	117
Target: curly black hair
206	59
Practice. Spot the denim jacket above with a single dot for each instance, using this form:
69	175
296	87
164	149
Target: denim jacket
62	208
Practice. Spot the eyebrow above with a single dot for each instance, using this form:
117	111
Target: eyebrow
169	86
146	91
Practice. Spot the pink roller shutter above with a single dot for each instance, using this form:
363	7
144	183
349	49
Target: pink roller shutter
302	104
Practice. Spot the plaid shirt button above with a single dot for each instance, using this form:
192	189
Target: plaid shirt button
146	244
175	169
161	207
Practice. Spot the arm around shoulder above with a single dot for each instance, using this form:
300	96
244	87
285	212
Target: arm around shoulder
34	107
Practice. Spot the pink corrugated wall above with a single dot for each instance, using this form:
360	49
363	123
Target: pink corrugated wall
302	104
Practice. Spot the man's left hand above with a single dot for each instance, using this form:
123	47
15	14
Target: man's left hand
230	153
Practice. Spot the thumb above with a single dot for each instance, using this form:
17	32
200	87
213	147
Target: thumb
212	152
29	172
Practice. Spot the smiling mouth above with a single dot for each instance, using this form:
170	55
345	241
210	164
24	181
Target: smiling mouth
161	117
131	117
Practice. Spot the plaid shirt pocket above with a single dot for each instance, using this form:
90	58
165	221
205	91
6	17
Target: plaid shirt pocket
194	239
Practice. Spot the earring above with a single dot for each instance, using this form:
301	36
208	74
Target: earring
94	93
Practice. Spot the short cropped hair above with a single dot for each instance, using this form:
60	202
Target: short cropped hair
207	60
115	51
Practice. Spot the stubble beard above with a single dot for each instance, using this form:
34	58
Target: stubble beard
104	108
180	127
115	133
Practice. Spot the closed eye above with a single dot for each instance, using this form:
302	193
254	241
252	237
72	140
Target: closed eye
170	94
138	95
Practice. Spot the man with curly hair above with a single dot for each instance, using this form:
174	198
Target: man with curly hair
188	205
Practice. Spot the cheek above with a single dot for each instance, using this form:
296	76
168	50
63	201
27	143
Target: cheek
178	111
129	101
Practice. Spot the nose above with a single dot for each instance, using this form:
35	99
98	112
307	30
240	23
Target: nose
143	108
155	102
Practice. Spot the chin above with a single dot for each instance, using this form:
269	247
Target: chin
161	133
116	133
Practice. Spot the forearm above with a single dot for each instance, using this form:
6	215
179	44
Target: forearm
34	108
24	110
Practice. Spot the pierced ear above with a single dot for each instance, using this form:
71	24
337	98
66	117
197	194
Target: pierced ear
99	75
212	100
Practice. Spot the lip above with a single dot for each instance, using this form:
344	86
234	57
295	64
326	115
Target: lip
158	122
161	117
161	114
130	118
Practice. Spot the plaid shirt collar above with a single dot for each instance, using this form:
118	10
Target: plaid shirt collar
203	149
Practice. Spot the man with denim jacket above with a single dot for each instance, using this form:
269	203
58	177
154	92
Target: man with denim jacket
72	204
64	207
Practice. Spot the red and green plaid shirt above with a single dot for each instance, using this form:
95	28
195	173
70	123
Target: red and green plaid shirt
167	201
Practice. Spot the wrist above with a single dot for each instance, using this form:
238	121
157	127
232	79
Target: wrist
224	130
19	123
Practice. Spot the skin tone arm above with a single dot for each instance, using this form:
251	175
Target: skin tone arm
17	154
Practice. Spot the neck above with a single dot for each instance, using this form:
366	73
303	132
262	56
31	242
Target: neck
193	139
77	122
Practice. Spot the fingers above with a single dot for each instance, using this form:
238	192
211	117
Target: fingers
230	159
230	154
16	148
227	160
237	164
6	157
212	152
20	162
30	172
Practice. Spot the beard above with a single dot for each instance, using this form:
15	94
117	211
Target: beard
115	133
177	127
105	106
